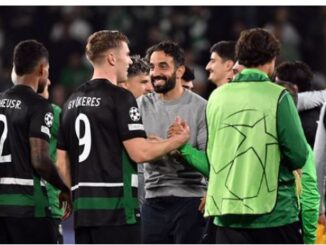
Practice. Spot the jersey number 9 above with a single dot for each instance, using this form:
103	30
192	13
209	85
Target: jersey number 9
86	139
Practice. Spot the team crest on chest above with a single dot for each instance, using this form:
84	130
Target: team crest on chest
48	119
134	114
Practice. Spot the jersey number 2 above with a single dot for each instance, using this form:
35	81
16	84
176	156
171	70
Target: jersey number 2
6	158
86	139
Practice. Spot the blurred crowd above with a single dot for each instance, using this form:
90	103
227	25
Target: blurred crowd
64	30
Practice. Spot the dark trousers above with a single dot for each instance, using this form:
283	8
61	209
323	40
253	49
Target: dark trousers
172	220
58	230
286	234
27	230
209	232
117	234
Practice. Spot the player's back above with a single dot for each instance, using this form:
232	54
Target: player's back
91	134
88	125
23	114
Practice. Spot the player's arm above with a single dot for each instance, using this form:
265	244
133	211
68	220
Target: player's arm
133	136
142	150
309	199
320	156
194	157
39	135
311	99
291	137
43	165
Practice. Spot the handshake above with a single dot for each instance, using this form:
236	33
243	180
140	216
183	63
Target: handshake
178	134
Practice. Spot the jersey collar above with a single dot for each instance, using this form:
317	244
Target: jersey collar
251	75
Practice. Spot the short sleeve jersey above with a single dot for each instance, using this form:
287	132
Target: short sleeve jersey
95	121
23	114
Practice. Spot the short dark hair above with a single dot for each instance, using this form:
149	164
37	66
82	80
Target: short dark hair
188	75
138	66
225	49
101	41
170	48
256	47
27	54
296	72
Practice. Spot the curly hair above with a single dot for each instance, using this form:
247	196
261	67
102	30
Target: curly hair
170	48
138	66
256	47
26	56
296	72
101	41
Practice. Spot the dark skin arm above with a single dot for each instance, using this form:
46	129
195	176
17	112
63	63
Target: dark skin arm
43	166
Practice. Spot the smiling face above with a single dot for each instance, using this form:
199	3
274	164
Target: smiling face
139	85
219	69
162	72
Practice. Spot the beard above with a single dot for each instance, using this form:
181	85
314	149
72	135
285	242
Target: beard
168	85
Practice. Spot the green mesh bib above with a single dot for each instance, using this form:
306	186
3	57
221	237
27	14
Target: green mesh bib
243	148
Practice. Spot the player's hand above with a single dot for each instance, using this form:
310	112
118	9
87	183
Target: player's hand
66	203
202	204
175	128
184	135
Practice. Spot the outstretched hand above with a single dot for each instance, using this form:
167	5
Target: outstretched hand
175	128
179	130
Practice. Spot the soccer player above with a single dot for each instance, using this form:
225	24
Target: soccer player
138	82
172	189
299	74
306	178
221	62
100	133
26	119
53	193
251	153
251	140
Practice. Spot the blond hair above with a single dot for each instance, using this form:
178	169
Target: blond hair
101	41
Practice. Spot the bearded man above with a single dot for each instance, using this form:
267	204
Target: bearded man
172	189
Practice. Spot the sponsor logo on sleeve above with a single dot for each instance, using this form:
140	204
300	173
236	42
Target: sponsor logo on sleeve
45	130
135	126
